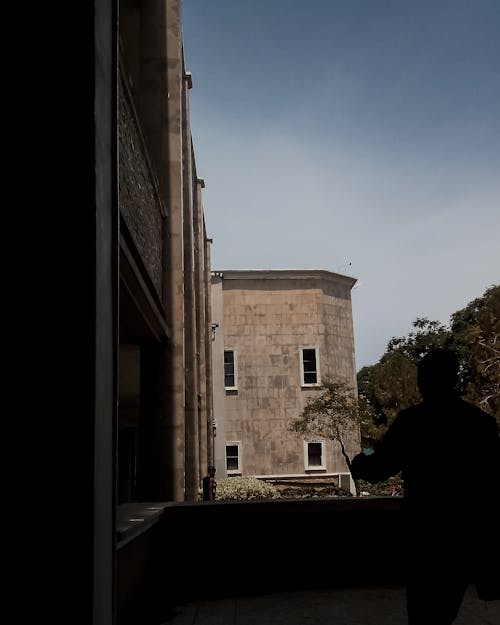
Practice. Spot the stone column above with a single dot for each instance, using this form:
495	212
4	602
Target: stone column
200	326
106	316
190	302
173	405
218	373
208	350
61	306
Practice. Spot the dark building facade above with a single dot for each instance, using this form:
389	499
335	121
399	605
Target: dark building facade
109	350
164	416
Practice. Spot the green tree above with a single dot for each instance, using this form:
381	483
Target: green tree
391	384
476	338
474	333
336	414
427	335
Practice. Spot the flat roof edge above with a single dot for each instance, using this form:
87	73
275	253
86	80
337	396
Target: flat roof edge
283	274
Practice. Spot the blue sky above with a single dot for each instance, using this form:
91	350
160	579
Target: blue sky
356	136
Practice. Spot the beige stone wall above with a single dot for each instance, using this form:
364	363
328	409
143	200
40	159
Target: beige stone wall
267	318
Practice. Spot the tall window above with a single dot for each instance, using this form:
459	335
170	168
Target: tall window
230	372
309	366
314	455
233	458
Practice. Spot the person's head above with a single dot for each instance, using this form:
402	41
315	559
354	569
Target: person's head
211	471
437	374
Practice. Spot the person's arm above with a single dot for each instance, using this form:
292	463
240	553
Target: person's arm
386	460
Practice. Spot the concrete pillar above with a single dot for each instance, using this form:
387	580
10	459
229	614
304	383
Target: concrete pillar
208	350
61	306
190	303
218	374
159	40
174	424
106	312
160	112
200	326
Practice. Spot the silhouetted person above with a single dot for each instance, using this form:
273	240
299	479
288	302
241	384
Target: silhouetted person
448	453
209	485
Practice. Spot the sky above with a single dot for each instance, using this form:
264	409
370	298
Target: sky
356	136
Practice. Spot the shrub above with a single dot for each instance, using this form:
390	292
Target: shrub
306	491
393	487
243	488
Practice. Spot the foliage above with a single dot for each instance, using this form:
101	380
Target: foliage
392	487
309	491
336	414
476	339
426	336
390	385
244	488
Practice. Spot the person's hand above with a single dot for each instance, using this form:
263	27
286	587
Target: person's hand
360	466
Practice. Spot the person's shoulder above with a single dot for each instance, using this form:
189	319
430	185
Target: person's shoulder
480	417
406	417
411	412
468	407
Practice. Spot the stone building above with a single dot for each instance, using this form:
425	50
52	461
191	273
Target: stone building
277	335
164	417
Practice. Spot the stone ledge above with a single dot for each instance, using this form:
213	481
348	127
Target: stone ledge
133	519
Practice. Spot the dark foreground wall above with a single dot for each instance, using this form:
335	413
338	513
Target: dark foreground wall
221	549
193	551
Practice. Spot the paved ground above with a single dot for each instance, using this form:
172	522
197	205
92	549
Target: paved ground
355	606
